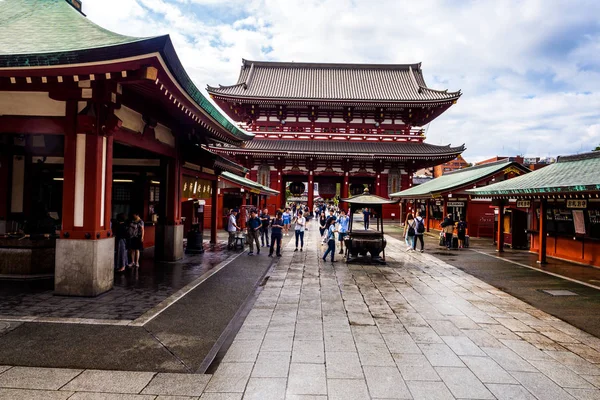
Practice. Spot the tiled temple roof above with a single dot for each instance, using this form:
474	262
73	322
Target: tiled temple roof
317	81
242	181
458	179
575	173
345	148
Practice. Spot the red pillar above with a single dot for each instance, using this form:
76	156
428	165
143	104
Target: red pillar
311	191
4	181
542	232
173	209
427	215
445	208
213	211
281	188
500	238
169	231
346	185
242	214
84	253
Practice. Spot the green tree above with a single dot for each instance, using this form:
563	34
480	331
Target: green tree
597	148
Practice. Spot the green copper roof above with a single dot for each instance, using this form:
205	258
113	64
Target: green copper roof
240	180
48	26
37	33
457	179
577	173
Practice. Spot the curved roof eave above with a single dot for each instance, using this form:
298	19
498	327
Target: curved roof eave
59	49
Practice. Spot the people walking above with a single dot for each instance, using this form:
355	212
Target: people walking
343	222
461	229
448	229
120	230
322	223
299	229
410	231
232	228
276	233
366	216
331	231
265	219
135	237
287	220
330	218
419	232
254	224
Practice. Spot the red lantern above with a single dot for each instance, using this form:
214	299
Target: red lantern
327	190
297	188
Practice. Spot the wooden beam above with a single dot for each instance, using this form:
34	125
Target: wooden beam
32	125
138	140
500	238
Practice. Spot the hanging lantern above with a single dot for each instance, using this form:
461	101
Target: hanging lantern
297	188
356	189
327	190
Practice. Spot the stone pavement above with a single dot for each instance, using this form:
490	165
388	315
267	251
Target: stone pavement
134	293
417	328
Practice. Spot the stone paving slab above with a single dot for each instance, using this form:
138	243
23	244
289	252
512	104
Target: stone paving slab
134	293
417	328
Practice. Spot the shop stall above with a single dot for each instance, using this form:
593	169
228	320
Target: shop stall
563	207
447	195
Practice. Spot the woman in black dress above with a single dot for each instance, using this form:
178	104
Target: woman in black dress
322	223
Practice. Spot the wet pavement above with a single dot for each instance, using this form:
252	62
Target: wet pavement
135	291
417	328
581	273
565	290
182	334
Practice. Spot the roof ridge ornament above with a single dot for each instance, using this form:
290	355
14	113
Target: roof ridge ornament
249	77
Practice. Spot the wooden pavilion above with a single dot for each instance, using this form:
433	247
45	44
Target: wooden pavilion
92	124
563	200
448	195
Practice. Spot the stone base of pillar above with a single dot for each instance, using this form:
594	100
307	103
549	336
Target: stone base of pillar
169	242
84	267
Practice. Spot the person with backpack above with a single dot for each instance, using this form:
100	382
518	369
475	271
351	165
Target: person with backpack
276	233
448	229
331	231
419	231
254	225
409	231
461	228
135	238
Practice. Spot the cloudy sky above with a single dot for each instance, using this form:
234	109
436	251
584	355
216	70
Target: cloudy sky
529	70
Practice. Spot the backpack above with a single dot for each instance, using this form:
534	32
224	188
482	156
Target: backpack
411	228
132	230
420	226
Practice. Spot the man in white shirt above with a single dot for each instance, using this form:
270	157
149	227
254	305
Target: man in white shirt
300	226
232	228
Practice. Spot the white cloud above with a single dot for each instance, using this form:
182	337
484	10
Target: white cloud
530	72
